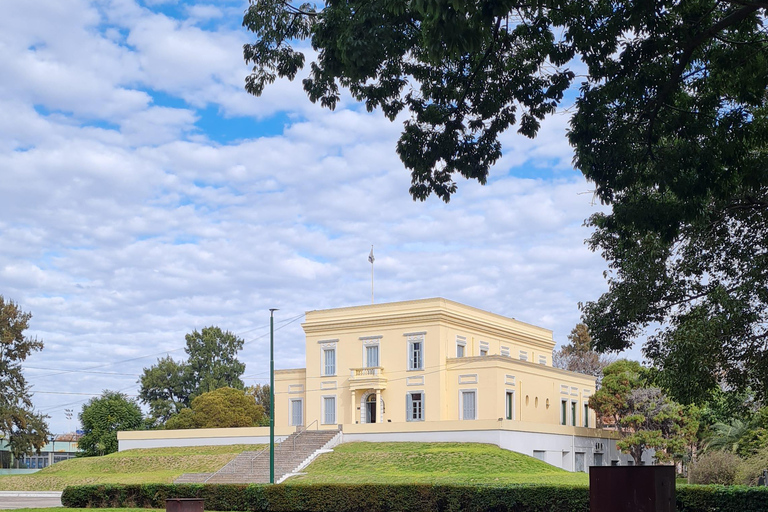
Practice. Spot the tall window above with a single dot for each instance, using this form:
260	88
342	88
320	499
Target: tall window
415	355
563	412
414	406
586	414
297	412
468	405
329	361
372	356
573	414
329	410
460	348
510	401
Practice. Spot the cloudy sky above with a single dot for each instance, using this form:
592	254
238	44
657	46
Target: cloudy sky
145	194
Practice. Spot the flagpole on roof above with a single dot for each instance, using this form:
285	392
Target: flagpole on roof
371	259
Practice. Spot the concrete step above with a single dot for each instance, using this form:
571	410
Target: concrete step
253	467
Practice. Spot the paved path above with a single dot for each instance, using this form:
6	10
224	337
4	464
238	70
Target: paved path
40	499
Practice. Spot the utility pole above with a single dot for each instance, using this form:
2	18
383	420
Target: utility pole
272	395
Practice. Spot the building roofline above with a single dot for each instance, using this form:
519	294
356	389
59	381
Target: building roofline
430	309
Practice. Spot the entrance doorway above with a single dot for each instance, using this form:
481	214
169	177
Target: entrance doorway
370	408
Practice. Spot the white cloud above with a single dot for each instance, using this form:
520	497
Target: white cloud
125	226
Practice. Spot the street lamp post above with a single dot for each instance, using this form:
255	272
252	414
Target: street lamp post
272	395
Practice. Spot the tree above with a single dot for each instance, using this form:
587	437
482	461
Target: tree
260	393
221	408
165	388
644	417
101	418
212	361
169	386
578	356
24	430
669	123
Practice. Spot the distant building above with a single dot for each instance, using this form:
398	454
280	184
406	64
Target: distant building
62	447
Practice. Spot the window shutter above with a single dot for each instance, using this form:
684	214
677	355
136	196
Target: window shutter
408	407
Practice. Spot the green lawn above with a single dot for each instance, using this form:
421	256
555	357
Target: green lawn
455	463
156	465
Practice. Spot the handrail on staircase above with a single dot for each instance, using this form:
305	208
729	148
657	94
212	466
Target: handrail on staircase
302	430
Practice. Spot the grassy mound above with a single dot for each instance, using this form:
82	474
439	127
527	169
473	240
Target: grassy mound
446	463
155	465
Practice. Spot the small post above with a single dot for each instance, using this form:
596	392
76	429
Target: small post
272	395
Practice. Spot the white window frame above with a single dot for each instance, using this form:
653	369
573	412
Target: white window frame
523	355
504	351
461	343
484	348
462	394
324	412
409	405
324	361
411	342
366	347
585	414
543	360
290	412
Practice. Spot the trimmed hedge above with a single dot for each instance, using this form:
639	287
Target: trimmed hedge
396	498
338	498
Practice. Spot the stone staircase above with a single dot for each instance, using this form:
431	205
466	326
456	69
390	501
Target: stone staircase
293	454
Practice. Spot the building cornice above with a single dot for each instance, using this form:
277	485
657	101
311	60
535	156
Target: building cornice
426	312
468	363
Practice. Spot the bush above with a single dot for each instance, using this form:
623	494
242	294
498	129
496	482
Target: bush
338	498
715	467
752	467
396	498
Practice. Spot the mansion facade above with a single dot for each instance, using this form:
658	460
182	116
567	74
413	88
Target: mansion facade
435	369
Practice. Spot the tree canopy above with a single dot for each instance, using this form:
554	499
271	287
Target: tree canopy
221	408
644	416
670	123
212	361
169	386
102	417
24	430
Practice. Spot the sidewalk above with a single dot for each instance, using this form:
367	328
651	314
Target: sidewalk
34	499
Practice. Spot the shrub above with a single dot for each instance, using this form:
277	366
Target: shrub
396	498
715	467
751	468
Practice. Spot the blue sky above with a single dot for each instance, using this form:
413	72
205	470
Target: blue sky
145	195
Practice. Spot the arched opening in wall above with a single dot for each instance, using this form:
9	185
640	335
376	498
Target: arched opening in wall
370	408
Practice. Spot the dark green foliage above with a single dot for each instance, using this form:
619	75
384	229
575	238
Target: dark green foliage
164	388
24	430
212	362
260	393
670	124
339	498
396	498
169	386
644	416
101	419
718	498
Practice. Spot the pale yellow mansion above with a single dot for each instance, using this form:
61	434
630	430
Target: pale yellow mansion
429	370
